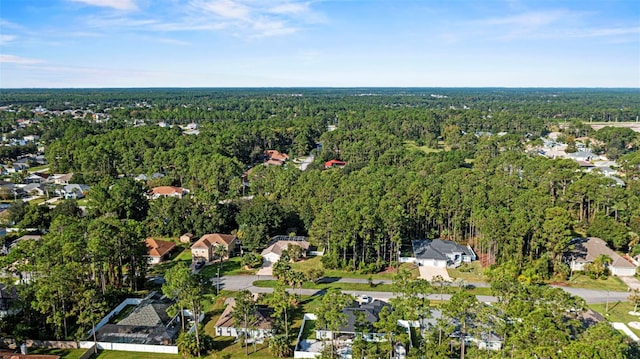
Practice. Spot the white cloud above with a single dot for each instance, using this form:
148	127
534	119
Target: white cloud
228	9
290	8
12	59
532	19
170	41
114	4
5	39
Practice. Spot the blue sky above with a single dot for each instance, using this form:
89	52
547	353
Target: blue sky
343	43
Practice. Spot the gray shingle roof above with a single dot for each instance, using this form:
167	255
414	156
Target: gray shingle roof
437	249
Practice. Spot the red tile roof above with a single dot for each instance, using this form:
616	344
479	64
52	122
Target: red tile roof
158	248
210	239
167	190
332	163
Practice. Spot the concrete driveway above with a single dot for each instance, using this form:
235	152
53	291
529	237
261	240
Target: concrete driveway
267	269
428	273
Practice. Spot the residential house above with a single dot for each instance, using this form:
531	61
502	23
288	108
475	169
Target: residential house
204	248
440	253
8	295
35	178
149	323
334	163
73	191
273	252
26	237
158	250
186	238
487	339
360	319
34	189
61	178
274	157
585	250
168	191
261	327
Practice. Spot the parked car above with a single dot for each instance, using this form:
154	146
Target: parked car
364	299
199	264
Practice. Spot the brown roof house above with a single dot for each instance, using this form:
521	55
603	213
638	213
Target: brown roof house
585	250
167	191
276	158
186	238
205	247
273	253
158	250
261	328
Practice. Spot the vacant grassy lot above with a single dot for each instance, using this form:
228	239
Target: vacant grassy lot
618	312
233	266
612	283
469	272
63	353
316	262
114	354
411	145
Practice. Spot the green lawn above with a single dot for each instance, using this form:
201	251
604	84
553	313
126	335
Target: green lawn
469	272
356	287
618	312
63	353
362	287
316	262
115	354
612	283
232	266
411	145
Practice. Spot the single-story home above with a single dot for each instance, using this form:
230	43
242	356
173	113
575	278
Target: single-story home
204	248
273	252
186	238
486	339
61	178
585	250
274	157
149	323
334	163
168	191
73	191
369	313
261	328
158	250
440	253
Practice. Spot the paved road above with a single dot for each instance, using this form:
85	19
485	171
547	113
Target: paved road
241	282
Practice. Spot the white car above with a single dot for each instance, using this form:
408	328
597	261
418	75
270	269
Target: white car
364	299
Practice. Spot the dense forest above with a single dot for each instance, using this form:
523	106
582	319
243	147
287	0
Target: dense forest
421	163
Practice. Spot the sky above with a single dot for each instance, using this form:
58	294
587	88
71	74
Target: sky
319	43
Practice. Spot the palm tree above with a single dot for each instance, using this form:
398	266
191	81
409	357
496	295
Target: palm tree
221	252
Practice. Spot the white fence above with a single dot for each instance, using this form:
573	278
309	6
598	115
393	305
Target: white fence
115	311
165	349
302	354
407	259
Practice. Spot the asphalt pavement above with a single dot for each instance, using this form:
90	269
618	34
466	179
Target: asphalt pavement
240	282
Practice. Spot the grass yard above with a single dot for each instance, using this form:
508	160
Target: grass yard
612	283
63	353
115	354
411	145
316	263
233	266
363	287
227	347
469	272
358	287
618	312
